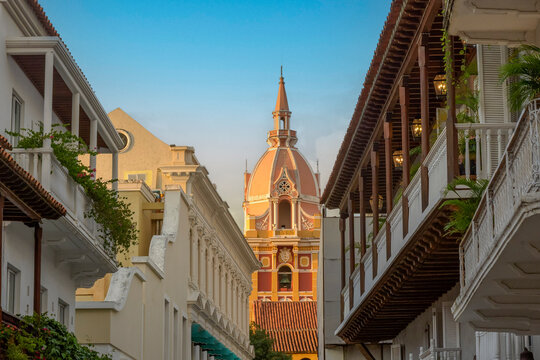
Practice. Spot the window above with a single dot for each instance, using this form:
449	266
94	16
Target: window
12	290
285	278
284	214
137	177
166	330
176	335
43	305
126	139
63	312
185	345
16	116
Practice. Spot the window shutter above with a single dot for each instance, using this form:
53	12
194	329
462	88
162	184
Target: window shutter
450	327
493	106
395	352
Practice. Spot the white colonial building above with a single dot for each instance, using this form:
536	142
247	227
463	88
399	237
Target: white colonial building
40	82
184	293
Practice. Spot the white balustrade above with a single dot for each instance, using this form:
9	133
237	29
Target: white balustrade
486	141
517	173
433	353
62	187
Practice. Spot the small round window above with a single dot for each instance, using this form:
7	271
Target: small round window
126	139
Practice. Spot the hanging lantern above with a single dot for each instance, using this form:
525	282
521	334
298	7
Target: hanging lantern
397	158
439	82
416	127
380	202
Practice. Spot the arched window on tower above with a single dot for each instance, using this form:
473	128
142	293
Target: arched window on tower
281	123
285	278
284	215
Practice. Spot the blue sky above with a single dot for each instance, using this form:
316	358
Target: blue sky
205	73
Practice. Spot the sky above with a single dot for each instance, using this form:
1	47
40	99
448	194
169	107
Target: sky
205	73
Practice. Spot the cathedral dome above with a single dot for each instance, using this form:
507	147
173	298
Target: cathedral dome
283	191
281	171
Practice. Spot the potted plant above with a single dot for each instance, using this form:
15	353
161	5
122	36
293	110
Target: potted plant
524	70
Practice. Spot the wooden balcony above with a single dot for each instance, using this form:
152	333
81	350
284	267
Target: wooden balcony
500	251
402	273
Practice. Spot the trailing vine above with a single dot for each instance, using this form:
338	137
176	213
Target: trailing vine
118	230
40	337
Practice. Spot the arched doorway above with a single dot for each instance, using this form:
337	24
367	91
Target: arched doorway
285	278
284	216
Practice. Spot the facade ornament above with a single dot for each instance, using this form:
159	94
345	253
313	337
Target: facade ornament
285	255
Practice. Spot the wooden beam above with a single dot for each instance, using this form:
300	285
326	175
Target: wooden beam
38	232
20	204
451	132
363	245
352	260
388	179
405	168
423	58
2	202
342	248
374	204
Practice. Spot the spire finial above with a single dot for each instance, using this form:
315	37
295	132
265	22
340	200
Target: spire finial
281	70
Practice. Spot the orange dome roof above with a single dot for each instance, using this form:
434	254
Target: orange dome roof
279	165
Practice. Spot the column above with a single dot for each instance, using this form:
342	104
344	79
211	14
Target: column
216	280
93	143
202	274
194	255
375	205
352	259
294	211
209	273
404	103
423	58
275	216
47	120
38	232
342	248
75	108
115	170
451	133
196	352
388	179
2	200
295	276
363	240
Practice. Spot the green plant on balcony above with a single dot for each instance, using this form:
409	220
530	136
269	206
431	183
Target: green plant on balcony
463	207
524	70
118	230
40	337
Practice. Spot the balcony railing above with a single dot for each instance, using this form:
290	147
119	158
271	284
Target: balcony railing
433	353
490	140
517	173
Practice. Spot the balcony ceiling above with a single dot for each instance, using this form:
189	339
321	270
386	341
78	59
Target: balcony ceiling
426	268
34	68
506	22
505	295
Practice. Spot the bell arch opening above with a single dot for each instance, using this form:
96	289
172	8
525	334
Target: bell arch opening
285	278
284	215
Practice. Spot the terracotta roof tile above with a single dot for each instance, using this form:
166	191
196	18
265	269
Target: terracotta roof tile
292	325
25	186
42	17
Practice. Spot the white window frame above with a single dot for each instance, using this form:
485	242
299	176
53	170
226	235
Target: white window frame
63	312
13	285
16	99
